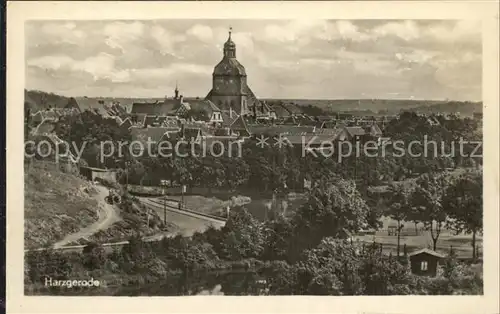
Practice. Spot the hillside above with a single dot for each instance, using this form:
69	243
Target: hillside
56	204
38	100
42	100
65	209
387	106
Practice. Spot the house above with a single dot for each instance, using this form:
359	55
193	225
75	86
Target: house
239	127
279	111
73	105
126	124
283	129
354	133
44	128
168	106
192	135
432	120
424	262
212	112
294	109
96	174
153	135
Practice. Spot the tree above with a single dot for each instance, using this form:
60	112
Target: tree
279	231
189	254
400	206
428	198
464	205
382	275
329	269
93	256
243	236
335	208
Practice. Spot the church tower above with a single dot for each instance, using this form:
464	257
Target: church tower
229	82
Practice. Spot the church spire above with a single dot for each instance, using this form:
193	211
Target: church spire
229	46
176	90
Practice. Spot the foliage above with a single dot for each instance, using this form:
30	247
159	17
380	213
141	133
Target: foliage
242	236
464	204
401	206
93	256
47	264
188	254
335	209
90	131
428	198
279	233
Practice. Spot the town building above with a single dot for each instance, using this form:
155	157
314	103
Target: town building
230	90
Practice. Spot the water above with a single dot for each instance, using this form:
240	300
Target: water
214	283
259	208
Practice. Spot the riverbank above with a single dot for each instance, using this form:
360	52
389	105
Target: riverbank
125	284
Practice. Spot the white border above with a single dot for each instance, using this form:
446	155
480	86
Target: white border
19	12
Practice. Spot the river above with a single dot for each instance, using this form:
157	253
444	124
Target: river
214	283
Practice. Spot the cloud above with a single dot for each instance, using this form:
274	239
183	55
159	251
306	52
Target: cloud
100	66
118	34
202	32
166	40
406	30
308	58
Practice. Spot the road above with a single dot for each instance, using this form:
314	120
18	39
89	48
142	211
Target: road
188	222
107	216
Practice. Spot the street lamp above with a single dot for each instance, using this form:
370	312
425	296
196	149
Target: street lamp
164	184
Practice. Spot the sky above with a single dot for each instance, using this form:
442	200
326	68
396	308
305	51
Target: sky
309	59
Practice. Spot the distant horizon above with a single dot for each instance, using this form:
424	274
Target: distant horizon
260	98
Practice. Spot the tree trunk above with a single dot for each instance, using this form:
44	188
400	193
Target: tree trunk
434	243
474	245
399	236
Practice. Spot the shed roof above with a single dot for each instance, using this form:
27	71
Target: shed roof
426	251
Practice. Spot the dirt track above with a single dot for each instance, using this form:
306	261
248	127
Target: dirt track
107	216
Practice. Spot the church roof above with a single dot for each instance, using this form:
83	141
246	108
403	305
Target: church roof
229	66
159	108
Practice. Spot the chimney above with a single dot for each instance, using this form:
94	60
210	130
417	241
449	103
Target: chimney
230	112
181	99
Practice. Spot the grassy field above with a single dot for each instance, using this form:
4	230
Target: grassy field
461	243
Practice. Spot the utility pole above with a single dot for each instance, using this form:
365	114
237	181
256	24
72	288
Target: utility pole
127	164
164	183
183	190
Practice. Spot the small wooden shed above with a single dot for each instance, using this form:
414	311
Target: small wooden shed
424	262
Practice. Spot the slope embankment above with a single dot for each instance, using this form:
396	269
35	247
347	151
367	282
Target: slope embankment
55	204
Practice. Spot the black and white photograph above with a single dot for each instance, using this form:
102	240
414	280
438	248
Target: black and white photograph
253	157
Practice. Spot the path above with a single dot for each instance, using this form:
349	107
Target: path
107	216
188	222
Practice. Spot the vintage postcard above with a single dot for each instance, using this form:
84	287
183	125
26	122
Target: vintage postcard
266	149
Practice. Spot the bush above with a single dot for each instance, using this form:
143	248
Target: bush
93	256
